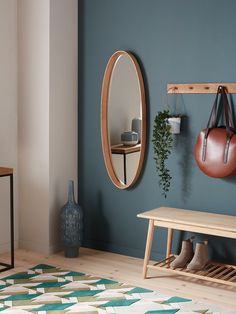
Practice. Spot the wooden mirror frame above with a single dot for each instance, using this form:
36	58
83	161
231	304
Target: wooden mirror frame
104	120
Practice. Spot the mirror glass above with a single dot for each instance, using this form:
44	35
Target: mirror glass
123	119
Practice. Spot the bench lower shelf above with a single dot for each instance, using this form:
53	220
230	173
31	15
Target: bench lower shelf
215	272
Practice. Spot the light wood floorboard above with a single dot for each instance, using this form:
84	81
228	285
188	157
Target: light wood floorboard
129	269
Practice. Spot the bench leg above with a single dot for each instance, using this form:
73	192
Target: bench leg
169	242
148	247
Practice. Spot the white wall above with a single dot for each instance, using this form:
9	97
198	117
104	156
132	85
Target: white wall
38	116
63	107
8	113
47	116
33	130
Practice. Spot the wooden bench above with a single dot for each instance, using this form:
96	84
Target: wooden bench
193	221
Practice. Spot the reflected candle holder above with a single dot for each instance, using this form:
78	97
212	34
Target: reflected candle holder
136	127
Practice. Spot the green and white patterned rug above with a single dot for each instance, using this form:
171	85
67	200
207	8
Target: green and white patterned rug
46	289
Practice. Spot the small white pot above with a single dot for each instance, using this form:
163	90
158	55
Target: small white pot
175	124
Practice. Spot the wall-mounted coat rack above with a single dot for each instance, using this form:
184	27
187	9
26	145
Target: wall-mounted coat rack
199	88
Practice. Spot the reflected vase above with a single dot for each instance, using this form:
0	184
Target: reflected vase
71	220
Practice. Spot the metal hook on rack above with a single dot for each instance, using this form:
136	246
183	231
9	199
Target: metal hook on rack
173	88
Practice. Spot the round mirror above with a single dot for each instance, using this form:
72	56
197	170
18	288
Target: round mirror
123	119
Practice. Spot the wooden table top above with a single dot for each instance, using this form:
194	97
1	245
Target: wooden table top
5	171
125	149
191	217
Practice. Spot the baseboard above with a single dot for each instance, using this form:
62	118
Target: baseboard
39	247
99	245
110	247
34	246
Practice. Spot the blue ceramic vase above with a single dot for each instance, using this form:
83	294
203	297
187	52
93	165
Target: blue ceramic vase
71	219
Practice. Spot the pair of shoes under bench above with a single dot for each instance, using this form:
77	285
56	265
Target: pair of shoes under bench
194	261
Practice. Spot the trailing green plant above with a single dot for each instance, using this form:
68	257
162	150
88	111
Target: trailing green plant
162	145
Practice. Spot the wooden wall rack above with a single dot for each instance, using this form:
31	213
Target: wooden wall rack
199	88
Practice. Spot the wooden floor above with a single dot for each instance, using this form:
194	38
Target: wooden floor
129	270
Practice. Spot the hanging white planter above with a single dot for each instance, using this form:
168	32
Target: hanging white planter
175	123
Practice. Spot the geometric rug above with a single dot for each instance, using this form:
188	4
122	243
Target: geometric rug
46	289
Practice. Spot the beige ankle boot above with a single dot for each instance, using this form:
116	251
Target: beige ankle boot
185	255
200	257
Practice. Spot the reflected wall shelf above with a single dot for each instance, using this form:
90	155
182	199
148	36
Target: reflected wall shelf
125	149
199	88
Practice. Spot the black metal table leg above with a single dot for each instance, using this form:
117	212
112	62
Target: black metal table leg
11	265
125	174
12	219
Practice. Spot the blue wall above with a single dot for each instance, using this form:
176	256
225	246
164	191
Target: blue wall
174	41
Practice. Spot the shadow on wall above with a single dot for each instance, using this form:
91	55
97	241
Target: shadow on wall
183	144
99	226
220	249
231	179
231	101
81	87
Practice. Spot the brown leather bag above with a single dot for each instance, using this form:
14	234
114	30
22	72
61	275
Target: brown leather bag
215	149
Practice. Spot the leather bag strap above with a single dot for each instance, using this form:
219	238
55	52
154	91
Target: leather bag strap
213	115
212	122
228	111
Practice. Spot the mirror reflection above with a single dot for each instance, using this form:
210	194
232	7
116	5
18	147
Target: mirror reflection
124	119
123	108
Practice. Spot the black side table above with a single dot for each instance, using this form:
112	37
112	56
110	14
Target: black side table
8	172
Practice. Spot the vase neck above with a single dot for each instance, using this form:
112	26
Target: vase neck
71	198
